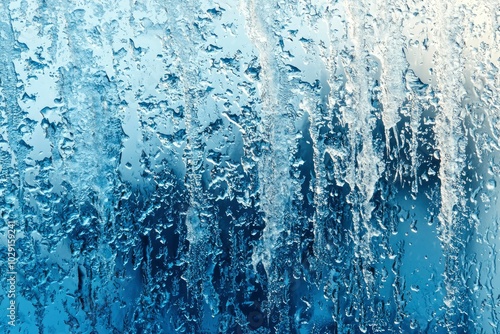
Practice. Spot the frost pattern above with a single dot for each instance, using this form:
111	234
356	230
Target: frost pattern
252	166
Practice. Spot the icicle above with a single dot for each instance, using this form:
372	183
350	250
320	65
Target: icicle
366	164
389	20
273	166
450	139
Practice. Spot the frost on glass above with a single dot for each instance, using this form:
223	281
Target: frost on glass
253	166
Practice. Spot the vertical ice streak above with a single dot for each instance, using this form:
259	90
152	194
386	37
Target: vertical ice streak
202	231
273	169
393	63
365	166
451	142
275	183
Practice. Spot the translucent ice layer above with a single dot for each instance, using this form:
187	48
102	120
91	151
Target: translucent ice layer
252	166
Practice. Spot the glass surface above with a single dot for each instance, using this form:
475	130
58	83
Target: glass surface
252	166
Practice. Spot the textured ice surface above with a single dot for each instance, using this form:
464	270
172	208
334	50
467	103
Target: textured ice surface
253	166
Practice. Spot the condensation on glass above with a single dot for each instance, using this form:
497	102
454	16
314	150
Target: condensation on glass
253	166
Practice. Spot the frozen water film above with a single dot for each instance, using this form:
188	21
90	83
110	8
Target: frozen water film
250	166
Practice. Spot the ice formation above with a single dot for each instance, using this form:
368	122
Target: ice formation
252	166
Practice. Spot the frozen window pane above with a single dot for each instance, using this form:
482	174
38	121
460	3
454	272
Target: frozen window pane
252	166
